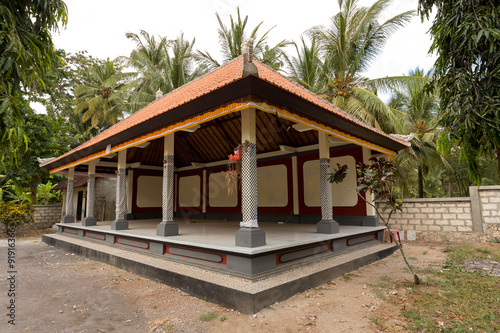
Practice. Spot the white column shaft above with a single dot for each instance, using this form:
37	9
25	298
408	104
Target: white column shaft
91	190
69	191
121	193
168	179
325	187
248	166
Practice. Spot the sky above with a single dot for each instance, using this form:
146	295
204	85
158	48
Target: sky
99	27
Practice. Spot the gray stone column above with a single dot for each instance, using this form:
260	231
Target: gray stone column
371	218
121	223
249	235
327	225
89	219
69	217
167	226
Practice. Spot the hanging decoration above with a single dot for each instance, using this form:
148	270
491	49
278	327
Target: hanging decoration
233	174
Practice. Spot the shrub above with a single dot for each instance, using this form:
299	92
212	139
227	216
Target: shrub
16	214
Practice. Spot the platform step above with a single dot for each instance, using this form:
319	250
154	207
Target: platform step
244	295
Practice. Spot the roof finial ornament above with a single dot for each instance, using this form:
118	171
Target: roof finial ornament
406	138
159	94
249	67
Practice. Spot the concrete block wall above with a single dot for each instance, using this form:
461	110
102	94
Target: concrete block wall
475	218
489	202
105	203
47	215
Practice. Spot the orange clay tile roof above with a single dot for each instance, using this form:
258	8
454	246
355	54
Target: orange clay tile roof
275	78
212	81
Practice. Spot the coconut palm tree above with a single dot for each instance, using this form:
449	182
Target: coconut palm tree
420	106
102	99
349	47
306	67
161	66
231	39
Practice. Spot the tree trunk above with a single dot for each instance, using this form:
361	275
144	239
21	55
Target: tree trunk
33	193
498	160
420	182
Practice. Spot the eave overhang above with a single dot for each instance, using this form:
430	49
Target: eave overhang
250	91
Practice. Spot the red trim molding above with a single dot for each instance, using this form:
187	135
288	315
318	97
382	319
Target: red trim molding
221	261
360	239
279	256
70	231
120	240
94	235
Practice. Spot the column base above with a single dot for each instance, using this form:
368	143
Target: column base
370	221
68	219
250	237
89	221
119	225
169	228
327	227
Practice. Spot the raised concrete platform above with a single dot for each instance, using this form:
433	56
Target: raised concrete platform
247	295
211	244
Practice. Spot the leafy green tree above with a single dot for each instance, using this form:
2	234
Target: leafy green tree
349	47
466	38
57	95
232	38
25	172
27	55
161	66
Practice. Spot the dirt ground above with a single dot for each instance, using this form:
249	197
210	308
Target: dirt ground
57	291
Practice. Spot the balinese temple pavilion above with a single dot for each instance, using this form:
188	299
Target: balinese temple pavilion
230	172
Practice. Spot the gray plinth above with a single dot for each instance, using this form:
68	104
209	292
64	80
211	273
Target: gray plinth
169	228
68	219
250	237
370	221
327	227
119	225
89	221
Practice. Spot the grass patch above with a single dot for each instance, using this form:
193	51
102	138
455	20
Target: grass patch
349	276
457	255
206	317
168	328
375	320
455	300
269	307
378	289
223	318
